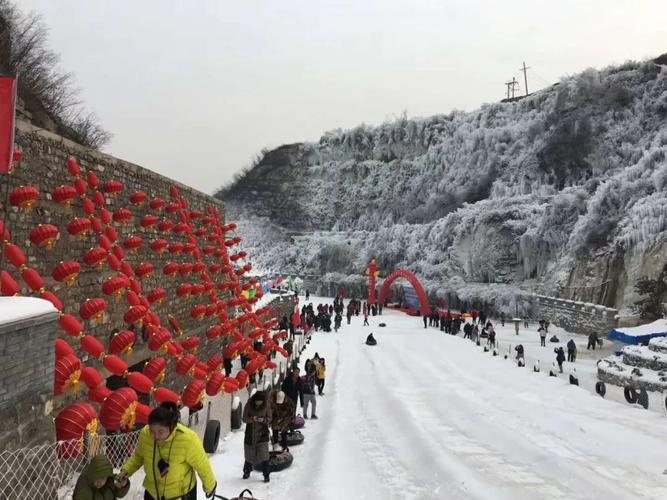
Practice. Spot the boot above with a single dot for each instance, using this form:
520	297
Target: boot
314	417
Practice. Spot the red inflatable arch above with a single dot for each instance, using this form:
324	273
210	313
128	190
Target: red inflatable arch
403	273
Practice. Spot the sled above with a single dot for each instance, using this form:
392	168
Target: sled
295	438
278	461
241	496
382	324
298	422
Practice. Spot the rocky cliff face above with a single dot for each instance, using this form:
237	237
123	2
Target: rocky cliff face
563	192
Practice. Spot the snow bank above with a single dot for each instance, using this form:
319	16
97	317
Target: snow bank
17	308
640	334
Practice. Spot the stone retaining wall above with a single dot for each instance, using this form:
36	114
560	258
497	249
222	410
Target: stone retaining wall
577	317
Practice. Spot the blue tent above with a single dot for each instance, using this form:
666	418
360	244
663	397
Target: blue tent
640	334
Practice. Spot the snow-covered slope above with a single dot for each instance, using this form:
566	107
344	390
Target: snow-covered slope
397	422
565	190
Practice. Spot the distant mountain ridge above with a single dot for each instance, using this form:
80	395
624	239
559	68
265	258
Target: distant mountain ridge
563	192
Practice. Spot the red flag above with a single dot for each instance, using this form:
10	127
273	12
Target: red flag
7	111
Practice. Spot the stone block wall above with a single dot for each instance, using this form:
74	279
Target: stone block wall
26	381
44	166
578	317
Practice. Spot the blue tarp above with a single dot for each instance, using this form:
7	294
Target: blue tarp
640	334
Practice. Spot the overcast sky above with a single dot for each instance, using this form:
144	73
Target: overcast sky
194	89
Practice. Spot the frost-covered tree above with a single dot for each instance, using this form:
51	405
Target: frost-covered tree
651	306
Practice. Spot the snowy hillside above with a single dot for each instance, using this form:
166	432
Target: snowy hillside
563	191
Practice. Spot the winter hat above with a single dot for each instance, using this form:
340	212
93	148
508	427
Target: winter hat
99	468
280	397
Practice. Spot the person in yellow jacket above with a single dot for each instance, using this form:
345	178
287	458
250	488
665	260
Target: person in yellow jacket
321	371
170	454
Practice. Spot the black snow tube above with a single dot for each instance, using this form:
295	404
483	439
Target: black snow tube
295	438
574	380
642	398
237	417
382	325
279	460
600	388
630	395
212	436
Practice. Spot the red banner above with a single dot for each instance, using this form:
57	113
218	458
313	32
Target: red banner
7	111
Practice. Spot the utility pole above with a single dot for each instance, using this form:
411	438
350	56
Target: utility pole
525	75
514	85
508	84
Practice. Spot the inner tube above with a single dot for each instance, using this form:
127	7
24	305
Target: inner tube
278	461
295	438
642	398
600	388
630	395
298	422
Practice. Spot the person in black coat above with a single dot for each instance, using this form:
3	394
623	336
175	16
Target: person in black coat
571	351
292	386
560	358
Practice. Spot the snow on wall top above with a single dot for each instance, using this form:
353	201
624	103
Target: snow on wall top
658	326
14	309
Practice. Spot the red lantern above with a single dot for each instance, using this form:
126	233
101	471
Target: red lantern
105	242
116	285
71	424
91	377
156	296
88	206
157	204
156	369
198	312
113	262
70	325
173	322
144	270
242	378
115	365
142	413
92	346
138	198
92	179
193	394
197	289
99	394
63	349
214	332
66	376
118	412
191	343
122	342
165	226
64	195
126	268
15	256
195	214
214	384
148	221
5	235
170	269
183	290
106	216
133	243
175	248
163	395
172	208
24	197
113	187
122	216
79	227
81	187
73	167
93	309
208	250
185	269
185	364
134	314
95	257
33	280
159	245
182	228
158	339
200	371
140	382
96	225
198	267
98	198
214	363
230	385
189	248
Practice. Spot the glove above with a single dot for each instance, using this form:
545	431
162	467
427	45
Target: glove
211	493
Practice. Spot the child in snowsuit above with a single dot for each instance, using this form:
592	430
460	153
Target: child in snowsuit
97	482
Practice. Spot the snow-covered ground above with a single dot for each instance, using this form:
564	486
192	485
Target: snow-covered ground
427	415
